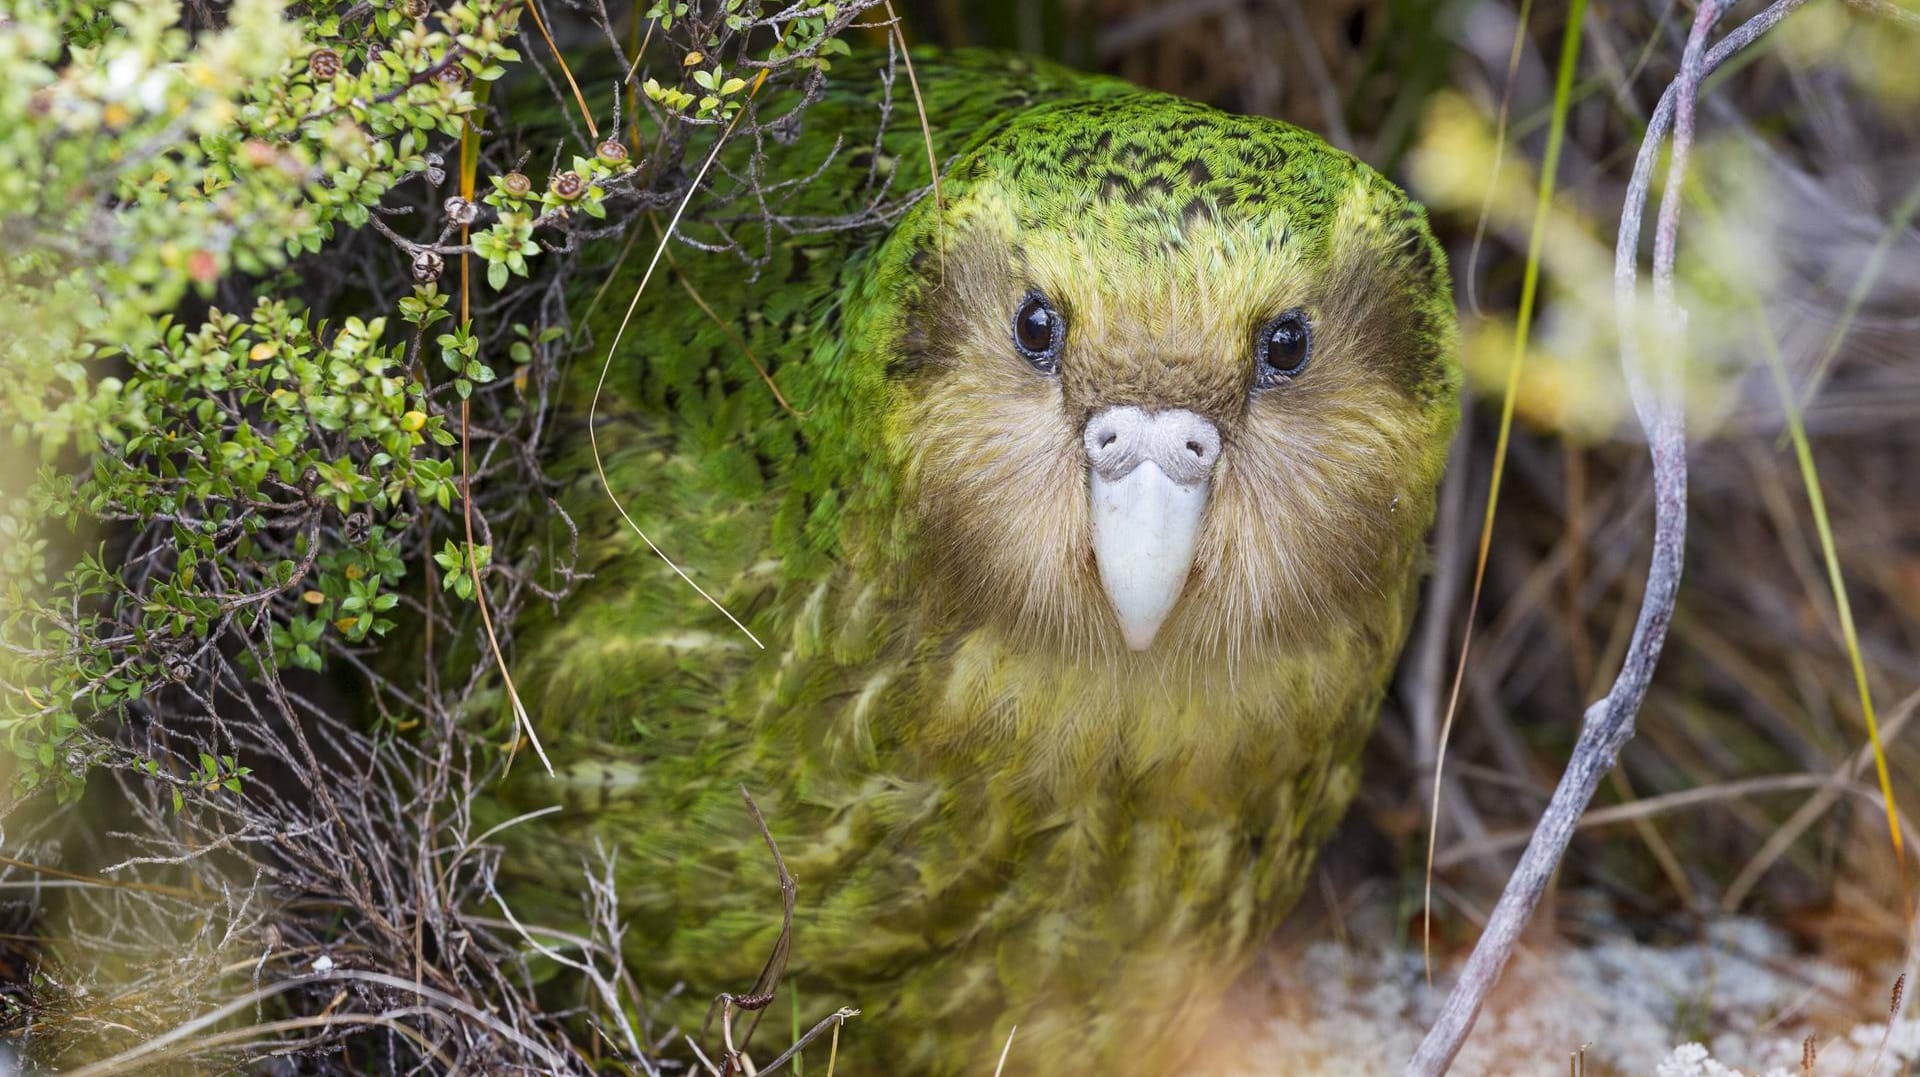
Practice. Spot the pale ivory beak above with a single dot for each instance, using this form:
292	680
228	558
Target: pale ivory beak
1150	475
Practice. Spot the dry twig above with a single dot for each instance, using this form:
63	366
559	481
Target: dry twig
1609	723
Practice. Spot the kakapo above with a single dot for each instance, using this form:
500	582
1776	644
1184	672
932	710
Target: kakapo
1080	510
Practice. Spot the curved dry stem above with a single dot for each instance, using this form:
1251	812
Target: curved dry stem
1609	723
593	408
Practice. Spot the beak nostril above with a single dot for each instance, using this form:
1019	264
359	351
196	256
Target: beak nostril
1182	444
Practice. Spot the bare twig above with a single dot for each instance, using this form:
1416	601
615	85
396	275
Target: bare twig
1609	723
761	994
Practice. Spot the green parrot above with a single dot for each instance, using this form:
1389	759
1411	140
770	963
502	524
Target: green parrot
1072	516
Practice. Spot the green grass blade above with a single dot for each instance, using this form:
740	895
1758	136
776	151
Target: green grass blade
1523	324
1810	475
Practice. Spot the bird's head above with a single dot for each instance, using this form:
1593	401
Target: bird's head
1156	377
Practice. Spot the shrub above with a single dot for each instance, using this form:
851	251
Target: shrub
282	308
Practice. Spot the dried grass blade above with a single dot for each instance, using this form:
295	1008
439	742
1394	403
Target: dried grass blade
1523	324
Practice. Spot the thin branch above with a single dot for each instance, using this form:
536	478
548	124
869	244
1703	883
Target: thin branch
1609	722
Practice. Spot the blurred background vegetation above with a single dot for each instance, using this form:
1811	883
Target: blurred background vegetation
1751	787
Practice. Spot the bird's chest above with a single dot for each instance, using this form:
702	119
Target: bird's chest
1075	808
1005	837
1144	807
1072	852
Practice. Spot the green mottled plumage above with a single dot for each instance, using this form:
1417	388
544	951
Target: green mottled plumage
996	814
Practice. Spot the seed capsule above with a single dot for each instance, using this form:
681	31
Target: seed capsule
569	186
324	64
611	152
427	267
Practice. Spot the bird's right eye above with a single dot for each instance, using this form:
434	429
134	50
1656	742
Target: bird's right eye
1039	332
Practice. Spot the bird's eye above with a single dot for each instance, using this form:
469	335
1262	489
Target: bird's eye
1284	347
1039	332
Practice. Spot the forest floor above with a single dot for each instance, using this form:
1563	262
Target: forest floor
1740	998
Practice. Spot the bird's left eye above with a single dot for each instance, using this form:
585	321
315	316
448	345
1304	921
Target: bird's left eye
1283	348
1039	332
